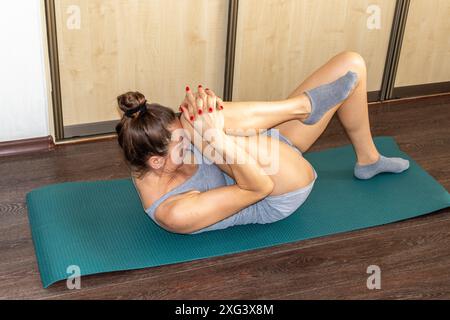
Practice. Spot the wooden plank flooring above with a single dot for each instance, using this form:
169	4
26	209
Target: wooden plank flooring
414	255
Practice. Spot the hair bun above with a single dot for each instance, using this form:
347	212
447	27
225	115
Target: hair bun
130	100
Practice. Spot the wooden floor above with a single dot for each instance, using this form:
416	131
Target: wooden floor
414	255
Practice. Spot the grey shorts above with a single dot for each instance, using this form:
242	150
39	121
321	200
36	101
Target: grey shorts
269	210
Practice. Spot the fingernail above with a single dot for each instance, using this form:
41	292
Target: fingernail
181	109
211	110
221	108
200	86
207	89
200	111
192	118
188	89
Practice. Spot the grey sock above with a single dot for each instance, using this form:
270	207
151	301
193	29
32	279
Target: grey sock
327	96
392	165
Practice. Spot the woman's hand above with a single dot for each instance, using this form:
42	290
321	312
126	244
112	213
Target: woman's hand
203	112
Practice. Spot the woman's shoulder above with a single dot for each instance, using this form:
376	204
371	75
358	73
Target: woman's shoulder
147	194
152	192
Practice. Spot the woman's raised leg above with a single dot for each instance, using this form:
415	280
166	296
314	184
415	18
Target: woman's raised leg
308	107
289	115
353	112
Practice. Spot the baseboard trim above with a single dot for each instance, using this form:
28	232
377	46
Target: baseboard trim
81	140
421	90
373	96
90	129
19	147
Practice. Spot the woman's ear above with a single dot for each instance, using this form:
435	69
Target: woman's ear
156	162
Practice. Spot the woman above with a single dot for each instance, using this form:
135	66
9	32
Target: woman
179	167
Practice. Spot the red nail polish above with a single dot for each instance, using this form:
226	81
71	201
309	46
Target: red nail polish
200	86
200	111
211	110
207	89
221	107
188	89
181	109
192	118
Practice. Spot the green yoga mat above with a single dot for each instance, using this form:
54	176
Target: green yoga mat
101	226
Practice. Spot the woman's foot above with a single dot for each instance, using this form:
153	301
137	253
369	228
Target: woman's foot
327	96
384	164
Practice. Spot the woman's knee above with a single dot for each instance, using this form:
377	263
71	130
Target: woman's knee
354	60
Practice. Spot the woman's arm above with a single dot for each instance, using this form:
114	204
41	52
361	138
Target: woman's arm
193	211
203	145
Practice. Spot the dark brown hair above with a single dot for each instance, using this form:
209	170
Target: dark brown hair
145	133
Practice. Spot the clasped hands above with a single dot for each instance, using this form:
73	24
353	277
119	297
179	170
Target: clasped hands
203	110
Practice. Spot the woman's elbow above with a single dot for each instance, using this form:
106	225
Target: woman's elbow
270	186
265	189
174	222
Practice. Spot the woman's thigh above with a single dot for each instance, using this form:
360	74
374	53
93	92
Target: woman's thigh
288	169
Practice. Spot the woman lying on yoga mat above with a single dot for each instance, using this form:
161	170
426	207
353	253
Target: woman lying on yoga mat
188	197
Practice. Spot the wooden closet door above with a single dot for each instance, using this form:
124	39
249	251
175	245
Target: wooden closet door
281	42
108	47
425	54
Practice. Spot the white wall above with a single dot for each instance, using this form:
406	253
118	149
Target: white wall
23	92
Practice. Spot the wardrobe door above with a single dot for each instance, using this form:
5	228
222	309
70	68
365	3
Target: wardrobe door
425	55
109	47
280	43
